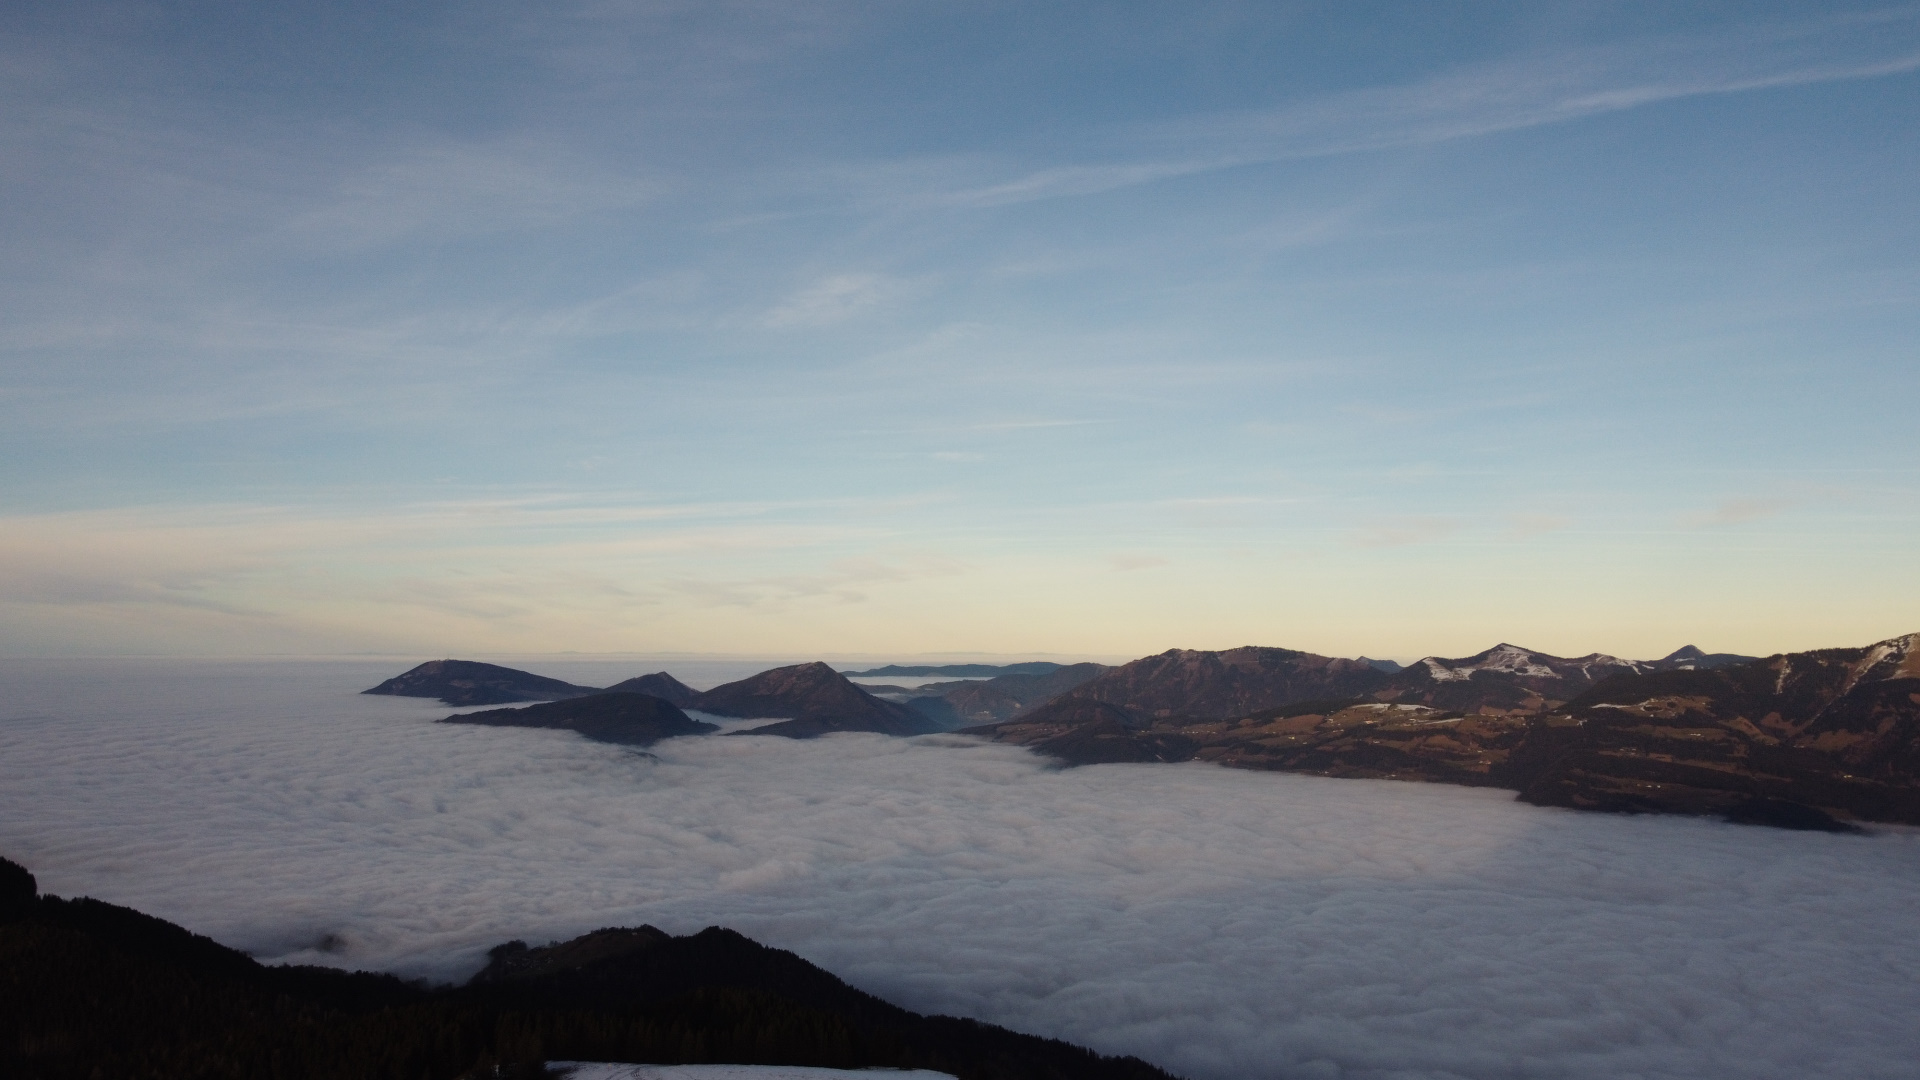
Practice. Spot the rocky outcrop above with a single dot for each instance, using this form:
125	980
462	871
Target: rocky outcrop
469	682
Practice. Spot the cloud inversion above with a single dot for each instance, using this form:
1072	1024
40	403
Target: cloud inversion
1223	924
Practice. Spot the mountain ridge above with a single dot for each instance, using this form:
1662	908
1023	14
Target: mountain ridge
1803	740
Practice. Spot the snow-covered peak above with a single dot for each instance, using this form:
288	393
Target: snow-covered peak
1511	659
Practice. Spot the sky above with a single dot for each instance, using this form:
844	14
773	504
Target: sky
1063	329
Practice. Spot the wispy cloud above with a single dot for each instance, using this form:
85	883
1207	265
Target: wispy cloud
1510	95
1077	180
833	299
452	189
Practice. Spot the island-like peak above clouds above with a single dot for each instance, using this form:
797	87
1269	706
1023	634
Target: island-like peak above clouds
660	685
469	682
629	719
815	699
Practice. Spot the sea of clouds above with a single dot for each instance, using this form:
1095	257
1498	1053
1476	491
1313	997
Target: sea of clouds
1223	924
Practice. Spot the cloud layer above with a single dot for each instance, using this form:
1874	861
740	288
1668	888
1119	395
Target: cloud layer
1223	924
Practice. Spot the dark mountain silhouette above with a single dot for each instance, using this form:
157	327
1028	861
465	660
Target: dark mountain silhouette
630	719
632	968
816	699
1388	666
1801	740
469	682
90	989
660	685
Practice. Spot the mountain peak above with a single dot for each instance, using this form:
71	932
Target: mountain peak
813	693
469	682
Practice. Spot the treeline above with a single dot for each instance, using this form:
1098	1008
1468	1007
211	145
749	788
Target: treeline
92	991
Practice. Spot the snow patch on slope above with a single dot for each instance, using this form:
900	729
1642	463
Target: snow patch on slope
1510	659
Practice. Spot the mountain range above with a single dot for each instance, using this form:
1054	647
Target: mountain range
1810	740
802	701
1817	739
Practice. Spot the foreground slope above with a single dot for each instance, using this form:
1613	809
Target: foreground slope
89	989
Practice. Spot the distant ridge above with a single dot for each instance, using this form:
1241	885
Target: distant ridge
1006	696
1231	682
1687	657
1035	667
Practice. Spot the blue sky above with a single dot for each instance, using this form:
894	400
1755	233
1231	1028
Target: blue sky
998	328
